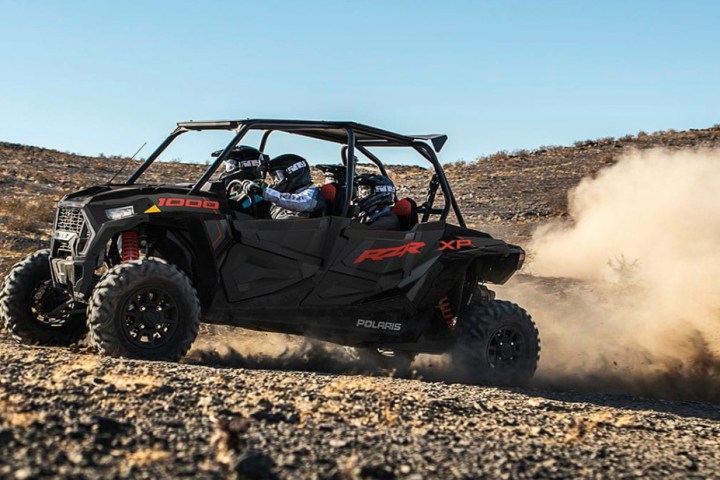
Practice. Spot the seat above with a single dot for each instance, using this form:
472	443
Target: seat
332	192
405	210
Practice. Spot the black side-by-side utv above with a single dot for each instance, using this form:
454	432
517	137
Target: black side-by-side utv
140	266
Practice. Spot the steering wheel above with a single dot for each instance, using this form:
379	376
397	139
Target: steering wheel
234	189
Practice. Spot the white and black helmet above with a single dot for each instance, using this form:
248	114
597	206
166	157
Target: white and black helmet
243	163
289	173
373	192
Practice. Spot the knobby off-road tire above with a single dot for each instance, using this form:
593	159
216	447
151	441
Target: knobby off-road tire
498	343
36	313
145	309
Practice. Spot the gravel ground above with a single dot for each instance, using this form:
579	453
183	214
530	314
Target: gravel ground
72	414
230	414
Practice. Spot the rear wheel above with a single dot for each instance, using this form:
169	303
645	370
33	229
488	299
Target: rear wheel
497	343
34	311
145	309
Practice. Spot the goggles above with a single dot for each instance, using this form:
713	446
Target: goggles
230	165
364	191
276	176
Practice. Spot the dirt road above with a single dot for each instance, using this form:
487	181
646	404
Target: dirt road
74	414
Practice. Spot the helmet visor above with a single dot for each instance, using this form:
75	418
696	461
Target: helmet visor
231	165
364	191
276	176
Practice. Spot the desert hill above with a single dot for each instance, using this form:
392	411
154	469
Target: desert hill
506	193
256	405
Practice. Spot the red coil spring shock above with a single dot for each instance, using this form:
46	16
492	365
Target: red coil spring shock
130	246
446	311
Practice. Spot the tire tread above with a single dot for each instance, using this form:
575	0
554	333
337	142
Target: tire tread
111	288
13	316
477	323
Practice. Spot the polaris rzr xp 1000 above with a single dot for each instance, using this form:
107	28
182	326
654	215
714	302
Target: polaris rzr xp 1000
140	265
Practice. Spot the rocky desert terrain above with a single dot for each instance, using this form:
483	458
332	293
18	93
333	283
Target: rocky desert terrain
249	405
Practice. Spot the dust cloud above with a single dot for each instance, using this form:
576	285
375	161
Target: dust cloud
626	293
240	348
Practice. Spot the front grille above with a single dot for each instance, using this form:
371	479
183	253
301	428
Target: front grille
70	219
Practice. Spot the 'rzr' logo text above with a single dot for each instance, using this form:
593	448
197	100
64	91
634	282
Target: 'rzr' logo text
392	252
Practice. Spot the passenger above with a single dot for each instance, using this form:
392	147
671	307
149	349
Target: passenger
290	191
376	195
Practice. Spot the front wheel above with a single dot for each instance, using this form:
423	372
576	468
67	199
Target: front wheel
34	311
145	309
497	342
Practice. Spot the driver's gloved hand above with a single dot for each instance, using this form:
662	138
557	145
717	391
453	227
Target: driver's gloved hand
234	191
249	187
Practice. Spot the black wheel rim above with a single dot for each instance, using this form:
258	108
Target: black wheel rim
150	318
54	307
505	348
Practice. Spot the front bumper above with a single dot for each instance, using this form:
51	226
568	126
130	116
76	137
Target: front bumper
73	236
74	275
64	272
78	248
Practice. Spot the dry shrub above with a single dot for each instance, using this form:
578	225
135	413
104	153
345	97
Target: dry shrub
8	256
27	215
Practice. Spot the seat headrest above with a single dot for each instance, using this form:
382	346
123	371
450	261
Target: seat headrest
404	207
328	192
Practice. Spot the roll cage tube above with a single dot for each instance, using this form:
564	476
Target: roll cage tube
430	199
427	152
350	171
208	173
369	155
264	139
370	138
220	159
153	156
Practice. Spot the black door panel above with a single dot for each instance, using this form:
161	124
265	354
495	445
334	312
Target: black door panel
272	255
303	239
339	262
367	262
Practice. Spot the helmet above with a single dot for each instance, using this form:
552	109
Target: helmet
243	163
289	173
374	192
334	173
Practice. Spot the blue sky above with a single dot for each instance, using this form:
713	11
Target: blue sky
93	77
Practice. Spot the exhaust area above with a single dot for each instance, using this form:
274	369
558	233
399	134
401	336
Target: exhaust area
626	293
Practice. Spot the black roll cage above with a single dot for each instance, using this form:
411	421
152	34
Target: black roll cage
349	134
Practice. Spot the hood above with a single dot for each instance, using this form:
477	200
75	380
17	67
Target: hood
103	193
